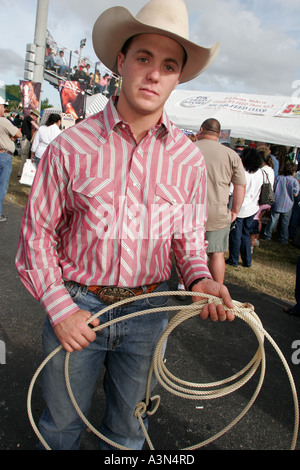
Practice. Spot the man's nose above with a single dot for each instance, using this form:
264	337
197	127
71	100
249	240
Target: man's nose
153	73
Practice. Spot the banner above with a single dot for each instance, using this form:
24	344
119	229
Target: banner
231	103
289	110
30	95
72	96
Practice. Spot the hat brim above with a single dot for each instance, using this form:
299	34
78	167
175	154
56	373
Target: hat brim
117	24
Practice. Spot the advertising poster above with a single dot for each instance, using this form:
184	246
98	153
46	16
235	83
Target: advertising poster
72	96
30	95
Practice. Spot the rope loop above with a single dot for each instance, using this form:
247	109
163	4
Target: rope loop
175	385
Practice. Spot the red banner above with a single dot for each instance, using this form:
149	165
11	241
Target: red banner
72	96
30	95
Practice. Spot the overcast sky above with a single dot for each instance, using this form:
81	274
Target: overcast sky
259	40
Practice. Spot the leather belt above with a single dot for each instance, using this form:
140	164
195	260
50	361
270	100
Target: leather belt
5	151
111	294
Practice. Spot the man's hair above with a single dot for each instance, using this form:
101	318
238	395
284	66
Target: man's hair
211	126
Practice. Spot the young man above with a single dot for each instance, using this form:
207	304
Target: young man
95	229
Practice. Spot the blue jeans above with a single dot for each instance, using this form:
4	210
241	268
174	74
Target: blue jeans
126	350
36	161
284	225
297	287
240	242
295	217
5	171
63	69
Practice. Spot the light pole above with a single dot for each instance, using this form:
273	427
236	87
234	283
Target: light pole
40	39
82	45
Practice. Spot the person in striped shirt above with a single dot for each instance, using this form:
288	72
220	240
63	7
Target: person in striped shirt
113	195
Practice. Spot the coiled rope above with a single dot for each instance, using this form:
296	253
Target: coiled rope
177	386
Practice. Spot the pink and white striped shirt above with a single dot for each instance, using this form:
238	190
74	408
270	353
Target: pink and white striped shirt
106	211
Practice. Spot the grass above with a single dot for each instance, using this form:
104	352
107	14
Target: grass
273	269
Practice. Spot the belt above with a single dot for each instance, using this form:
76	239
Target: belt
111	294
5	151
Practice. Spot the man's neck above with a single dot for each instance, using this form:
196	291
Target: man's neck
139	123
214	137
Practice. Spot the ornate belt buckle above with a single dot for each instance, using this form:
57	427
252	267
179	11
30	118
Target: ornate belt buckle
110	295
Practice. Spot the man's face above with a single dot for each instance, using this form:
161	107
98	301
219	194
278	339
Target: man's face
1	110
150	71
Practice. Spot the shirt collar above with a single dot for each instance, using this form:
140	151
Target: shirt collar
112	118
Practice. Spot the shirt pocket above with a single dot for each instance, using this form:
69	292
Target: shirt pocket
169	208
94	202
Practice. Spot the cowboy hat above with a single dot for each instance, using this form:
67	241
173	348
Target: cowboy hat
168	17
35	112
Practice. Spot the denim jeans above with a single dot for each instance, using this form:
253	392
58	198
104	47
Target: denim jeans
36	161
5	171
284	225
239	241
125	349
295	217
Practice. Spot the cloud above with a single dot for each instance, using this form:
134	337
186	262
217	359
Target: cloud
253	58
11	63
259	41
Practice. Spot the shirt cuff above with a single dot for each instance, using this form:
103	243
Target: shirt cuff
58	304
197	280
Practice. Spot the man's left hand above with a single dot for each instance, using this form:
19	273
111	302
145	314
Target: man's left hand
212	311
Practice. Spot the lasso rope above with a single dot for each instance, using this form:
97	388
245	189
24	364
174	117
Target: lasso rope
174	385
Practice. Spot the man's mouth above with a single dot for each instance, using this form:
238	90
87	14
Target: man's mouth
149	91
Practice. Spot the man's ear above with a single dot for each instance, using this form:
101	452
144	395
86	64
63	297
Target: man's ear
120	62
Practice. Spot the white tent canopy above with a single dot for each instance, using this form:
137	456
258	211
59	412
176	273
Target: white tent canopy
95	103
262	118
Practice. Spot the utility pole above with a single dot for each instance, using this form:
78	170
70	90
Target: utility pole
82	45
40	39
35	52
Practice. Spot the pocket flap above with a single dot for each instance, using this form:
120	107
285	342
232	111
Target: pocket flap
172	194
92	187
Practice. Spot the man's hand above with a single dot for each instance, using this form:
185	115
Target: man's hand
215	312
74	333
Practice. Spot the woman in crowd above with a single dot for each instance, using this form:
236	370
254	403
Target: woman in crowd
268	168
44	136
286	188
239	238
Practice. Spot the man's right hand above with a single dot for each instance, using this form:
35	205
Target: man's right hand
74	333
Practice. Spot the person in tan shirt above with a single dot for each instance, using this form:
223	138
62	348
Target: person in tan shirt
8	133
224	166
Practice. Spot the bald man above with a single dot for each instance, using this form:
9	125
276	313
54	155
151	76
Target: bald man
224	166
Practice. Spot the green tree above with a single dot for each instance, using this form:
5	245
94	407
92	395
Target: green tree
13	95
45	104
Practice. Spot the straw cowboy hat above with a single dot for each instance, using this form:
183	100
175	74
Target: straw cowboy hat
167	17
35	112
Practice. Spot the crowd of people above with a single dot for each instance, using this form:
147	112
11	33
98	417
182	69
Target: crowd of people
33	140
236	218
107	83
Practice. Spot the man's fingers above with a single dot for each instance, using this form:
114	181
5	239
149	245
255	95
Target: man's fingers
216	312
